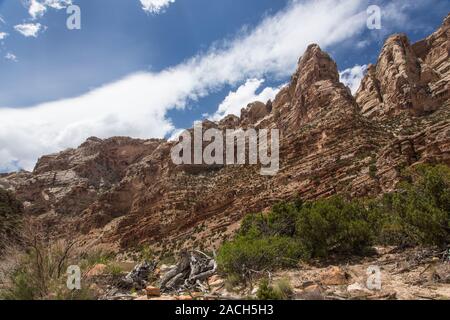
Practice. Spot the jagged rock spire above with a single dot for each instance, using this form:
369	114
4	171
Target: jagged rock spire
314	89
408	78
316	65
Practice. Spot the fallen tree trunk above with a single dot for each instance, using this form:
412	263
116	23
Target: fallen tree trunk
192	269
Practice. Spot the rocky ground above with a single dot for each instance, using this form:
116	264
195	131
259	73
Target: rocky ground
409	274
415	273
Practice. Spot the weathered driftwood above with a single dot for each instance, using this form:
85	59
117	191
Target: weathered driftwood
138	277
191	270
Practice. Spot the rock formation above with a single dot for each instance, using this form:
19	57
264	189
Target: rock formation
129	192
408	78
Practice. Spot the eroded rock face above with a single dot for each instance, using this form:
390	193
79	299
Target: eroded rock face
129	192
255	111
70	181
314	91
408	78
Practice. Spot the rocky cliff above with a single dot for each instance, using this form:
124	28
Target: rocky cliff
129	192
408	78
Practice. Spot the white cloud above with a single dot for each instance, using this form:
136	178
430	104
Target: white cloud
155	6
174	136
58	4
245	94
11	56
362	44
7	161
137	105
352	77
28	29
3	35
36	9
132	106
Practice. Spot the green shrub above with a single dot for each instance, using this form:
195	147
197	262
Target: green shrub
147	253
281	291
254	225
21	287
419	211
10	218
282	219
41	275
96	256
373	170
267	253
334	225
433	183
266	292
9	205
114	269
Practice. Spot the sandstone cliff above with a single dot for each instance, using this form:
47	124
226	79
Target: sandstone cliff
408	78
128	191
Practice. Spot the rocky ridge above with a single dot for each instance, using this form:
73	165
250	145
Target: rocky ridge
411	78
128	192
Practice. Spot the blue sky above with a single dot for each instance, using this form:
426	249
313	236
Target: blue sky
147	68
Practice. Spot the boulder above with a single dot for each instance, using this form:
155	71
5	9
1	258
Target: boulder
334	276
153	291
312	292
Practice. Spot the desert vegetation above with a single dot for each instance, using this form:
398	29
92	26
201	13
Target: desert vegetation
37	270
10	219
417	213
40	273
